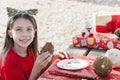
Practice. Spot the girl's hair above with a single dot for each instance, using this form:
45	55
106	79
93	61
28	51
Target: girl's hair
9	41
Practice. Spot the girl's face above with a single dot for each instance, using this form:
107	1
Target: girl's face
22	33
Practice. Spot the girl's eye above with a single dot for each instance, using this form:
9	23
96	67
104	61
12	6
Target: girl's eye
29	29
18	29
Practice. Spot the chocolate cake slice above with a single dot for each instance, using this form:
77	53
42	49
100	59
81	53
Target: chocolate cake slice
47	47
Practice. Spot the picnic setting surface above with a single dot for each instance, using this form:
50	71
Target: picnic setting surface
87	73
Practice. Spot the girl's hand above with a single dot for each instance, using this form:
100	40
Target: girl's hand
61	55
40	63
65	55
42	60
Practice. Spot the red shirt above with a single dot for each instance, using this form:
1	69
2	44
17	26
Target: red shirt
15	67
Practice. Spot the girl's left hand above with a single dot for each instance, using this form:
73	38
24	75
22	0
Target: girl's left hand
64	55
61	55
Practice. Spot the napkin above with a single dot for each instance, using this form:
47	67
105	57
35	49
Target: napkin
83	74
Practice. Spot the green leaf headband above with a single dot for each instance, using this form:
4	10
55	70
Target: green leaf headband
11	11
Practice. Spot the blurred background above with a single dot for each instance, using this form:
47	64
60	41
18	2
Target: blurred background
58	20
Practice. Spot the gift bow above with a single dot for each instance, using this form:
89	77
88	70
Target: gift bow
12	11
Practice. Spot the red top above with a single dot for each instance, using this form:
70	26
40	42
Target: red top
15	67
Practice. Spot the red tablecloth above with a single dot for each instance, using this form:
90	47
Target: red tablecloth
75	75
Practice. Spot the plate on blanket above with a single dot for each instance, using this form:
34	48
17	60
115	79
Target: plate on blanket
72	64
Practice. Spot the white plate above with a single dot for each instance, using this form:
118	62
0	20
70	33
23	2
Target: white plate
72	64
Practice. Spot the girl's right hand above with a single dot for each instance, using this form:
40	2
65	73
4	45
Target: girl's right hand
40	63
42	60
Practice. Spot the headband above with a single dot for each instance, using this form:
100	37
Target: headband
12	11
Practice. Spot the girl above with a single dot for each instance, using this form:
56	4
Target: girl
19	55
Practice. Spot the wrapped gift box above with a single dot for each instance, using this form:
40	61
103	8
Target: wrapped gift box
97	41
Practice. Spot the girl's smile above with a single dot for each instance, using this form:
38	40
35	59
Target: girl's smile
24	41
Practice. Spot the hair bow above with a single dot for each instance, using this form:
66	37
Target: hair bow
12	11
